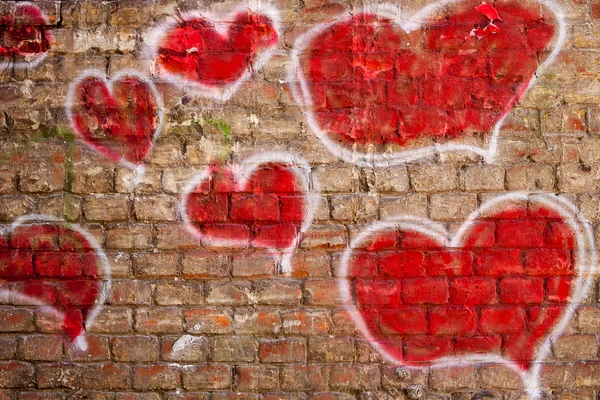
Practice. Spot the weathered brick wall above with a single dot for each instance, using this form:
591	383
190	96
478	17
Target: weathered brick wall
125	275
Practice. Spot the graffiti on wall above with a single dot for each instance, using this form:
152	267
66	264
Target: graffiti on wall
120	118
496	290
61	267
378	88
265	202
215	54
24	36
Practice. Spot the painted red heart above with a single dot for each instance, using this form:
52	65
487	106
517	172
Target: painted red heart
120	119
216	55
24	36
53	264
368	83
500	287
263	204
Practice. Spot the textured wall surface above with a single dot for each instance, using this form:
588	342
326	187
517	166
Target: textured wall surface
310	199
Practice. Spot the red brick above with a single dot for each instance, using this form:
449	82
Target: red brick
404	320
97	350
112	320
521	290
253	265
130	292
155	377
548	262
135	348
425	291
377	293
331	349
322	293
106	376
502	320
8	348
558	289
426	347
40	348
278	292
282	350
158	320
354	377
234	348
208	320
16	320
229	293
196	349
256	321
449	263
521	234
402	264
310	264
454	321
473	291
478	344
306	322
206	265
499	262
61	375
304	378
16	375
207	377
171	293
255	377
360	264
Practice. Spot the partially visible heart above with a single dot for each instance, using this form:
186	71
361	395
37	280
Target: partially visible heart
24	36
264	203
50	263
368	83
120	119
216	55
498	288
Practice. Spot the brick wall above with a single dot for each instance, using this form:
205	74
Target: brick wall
306	201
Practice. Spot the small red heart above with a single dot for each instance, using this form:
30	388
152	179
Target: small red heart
213	55
367	82
499	288
120	119
262	205
24	36
57	265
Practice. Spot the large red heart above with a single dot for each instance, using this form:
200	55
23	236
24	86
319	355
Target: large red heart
264	203
213	55
499	287
120	119
49	263
368	83
24	36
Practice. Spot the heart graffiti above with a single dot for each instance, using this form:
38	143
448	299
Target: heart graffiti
49	263
508	279
215	55
408	87
265	202
120	118
24	36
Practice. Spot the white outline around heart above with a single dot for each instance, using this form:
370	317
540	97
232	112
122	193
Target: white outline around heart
586	264
38	58
217	93
98	74
103	284
302	94
243	172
